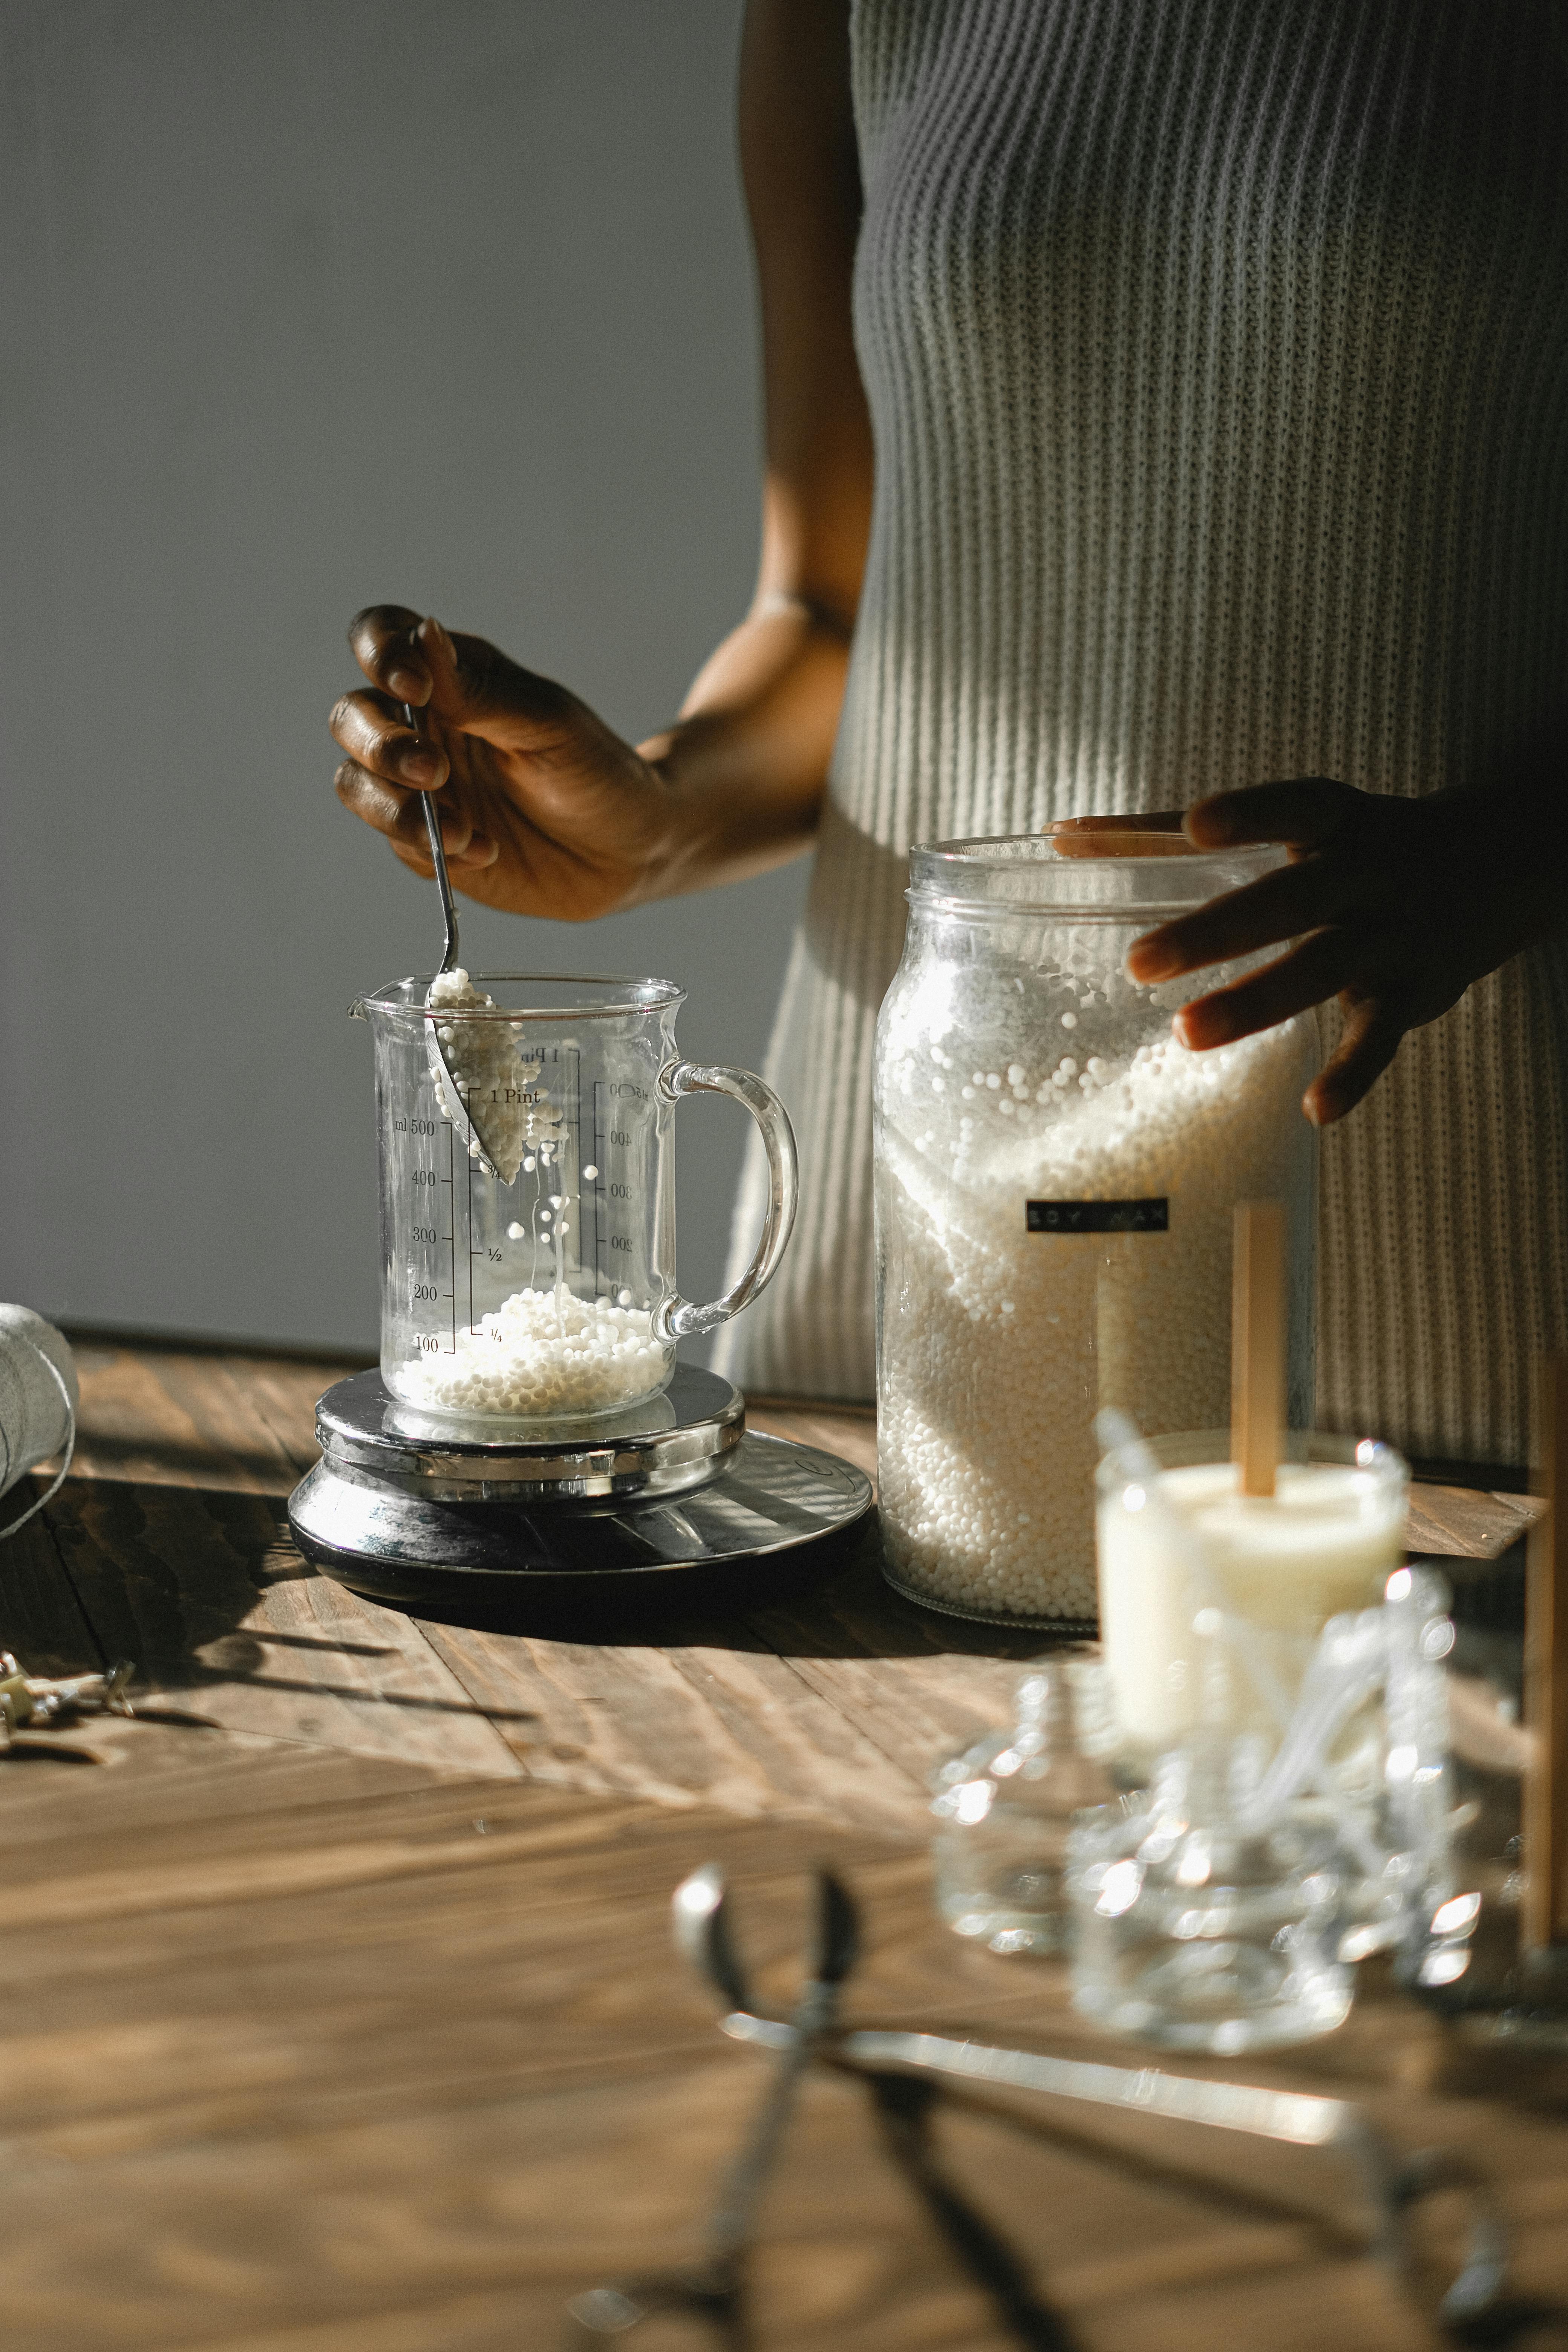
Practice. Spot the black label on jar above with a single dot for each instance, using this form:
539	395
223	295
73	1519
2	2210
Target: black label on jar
1097	1216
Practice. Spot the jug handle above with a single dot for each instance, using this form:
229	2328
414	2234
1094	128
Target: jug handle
676	1318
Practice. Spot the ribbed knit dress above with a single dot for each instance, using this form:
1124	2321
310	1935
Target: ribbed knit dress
1218	357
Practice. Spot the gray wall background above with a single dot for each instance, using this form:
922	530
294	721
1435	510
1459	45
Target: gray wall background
310	304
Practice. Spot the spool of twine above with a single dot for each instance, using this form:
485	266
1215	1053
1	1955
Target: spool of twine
39	1400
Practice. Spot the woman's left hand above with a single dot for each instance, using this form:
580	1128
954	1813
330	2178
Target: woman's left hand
1394	906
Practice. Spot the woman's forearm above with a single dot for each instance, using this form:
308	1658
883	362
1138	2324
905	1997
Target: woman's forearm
746	762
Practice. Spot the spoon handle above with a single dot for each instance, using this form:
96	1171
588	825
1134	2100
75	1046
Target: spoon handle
437	854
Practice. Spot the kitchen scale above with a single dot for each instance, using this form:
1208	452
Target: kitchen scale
529	1439
675	1502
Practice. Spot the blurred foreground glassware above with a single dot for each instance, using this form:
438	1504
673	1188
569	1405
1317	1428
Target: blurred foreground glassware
1003	1809
1295	1747
1495	1949
1194	1935
1467	1956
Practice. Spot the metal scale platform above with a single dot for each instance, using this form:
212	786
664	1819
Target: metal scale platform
674	1501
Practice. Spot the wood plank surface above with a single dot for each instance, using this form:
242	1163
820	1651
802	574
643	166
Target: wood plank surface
314	2051
838	1703
338	2009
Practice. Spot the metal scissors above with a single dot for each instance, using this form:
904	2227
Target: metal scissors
905	2073
714	2290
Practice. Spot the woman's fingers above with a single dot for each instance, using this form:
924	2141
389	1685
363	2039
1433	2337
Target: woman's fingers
398	813
1278	906
1318	968
1158	834
1149	821
1370	1040
1304	812
386	644
1326	965
377	737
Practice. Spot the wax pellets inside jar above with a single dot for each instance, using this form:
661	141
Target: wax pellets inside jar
544	1352
497	1084
1005	1339
1058	1241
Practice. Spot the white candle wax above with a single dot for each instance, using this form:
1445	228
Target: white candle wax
1325	1541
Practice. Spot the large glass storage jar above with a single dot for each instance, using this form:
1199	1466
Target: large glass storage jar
1054	1181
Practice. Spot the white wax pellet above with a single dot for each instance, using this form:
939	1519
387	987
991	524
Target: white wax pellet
589	1171
1070	1020
985	1438
624	1297
491	1073
544	1352
516	1232
1016	1073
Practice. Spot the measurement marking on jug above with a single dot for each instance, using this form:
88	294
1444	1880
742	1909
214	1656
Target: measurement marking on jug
600	1156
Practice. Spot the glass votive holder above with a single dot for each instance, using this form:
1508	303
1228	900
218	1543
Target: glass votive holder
1194	1935
1275	1568
1256	1650
1004	1808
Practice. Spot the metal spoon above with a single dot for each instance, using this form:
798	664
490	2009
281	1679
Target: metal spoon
448	1092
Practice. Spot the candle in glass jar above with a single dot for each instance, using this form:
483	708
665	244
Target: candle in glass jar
1324	1542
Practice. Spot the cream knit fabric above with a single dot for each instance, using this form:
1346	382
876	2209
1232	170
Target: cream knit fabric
1218	359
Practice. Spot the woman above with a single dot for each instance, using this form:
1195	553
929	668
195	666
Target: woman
1215	363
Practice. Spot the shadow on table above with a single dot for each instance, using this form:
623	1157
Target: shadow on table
176	1577
835	1608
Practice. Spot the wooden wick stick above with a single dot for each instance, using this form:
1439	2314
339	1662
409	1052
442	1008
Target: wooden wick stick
1257	1344
1543	1917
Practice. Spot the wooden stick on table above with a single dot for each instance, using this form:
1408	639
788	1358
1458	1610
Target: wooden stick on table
1543	1917
1257	1344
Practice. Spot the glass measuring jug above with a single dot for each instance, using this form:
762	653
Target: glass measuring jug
550	1296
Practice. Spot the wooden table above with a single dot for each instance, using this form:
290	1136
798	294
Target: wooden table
339	2008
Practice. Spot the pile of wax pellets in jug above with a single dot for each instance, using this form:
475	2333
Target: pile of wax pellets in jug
1056	1178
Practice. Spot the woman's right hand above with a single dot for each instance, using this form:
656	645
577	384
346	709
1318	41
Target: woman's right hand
544	810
